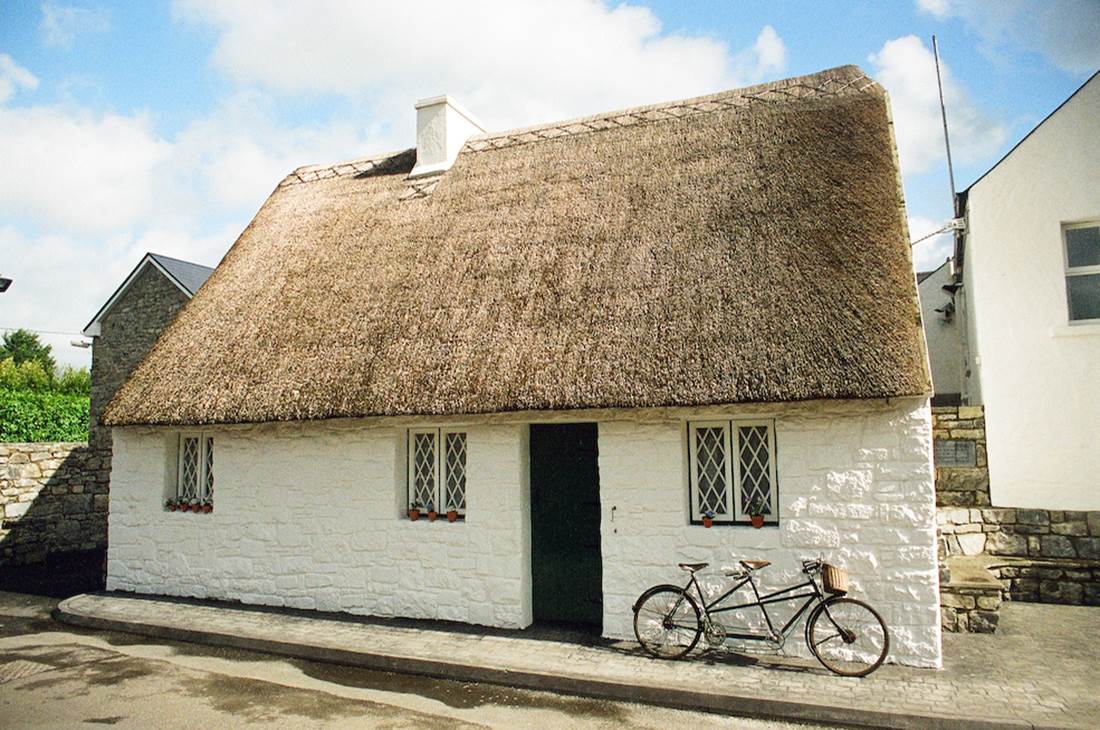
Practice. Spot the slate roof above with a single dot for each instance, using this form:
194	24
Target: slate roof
189	275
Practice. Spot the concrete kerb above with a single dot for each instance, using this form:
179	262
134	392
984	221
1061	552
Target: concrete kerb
733	704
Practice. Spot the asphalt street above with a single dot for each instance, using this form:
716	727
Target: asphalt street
54	676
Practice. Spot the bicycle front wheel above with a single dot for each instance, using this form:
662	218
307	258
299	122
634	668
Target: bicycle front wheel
848	637
667	622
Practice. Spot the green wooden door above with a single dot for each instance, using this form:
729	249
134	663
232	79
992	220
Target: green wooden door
566	567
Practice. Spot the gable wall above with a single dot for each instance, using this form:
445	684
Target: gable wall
127	332
1037	372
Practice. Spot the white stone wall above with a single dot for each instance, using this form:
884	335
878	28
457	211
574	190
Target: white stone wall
855	486
1034	370
310	516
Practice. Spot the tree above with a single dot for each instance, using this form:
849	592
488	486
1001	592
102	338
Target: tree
73	381
22	346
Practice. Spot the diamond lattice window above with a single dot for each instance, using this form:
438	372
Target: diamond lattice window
755	468
437	470
732	466
189	468
424	468
710	472
208	474
195	473
454	468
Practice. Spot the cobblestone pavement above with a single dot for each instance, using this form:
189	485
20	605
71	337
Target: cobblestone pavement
56	676
1042	668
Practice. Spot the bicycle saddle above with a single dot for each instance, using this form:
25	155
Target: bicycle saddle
692	567
755	564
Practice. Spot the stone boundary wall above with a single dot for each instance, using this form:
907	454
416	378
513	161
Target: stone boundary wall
961	485
53	500
1021	533
1051	556
970	609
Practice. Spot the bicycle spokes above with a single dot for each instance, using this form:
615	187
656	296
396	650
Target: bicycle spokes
848	637
667	623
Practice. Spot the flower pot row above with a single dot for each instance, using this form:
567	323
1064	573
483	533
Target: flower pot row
757	520
415	512
180	505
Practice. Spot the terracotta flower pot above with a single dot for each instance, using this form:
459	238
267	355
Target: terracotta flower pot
452	515
757	521
171	506
414	514
708	522
432	515
208	508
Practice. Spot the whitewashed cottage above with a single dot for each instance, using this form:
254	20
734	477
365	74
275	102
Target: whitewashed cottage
579	338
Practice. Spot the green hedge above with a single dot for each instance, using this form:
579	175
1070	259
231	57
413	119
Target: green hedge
27	415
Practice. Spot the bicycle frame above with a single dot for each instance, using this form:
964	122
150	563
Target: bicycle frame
814	598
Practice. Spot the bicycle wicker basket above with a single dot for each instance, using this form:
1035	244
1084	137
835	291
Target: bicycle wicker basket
834	579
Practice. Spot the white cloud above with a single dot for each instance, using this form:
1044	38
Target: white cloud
906	67
938	8
74	171
1065	31
767	56
98	190
234	156
13	77
512	63
62	23
931	252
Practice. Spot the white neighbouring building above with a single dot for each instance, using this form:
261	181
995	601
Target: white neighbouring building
1029	264
578	337
942	332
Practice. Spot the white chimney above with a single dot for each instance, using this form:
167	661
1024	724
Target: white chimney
442	127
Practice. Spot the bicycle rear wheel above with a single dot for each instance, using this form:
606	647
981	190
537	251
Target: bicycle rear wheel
848	637
667	622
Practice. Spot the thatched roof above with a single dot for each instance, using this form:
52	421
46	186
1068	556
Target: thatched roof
747	246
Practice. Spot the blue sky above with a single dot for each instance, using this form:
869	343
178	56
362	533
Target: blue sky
134	127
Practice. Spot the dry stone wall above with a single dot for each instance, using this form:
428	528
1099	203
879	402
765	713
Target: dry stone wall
1049	556
53	500
962	469
971	608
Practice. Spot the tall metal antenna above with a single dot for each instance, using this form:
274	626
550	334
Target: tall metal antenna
946	139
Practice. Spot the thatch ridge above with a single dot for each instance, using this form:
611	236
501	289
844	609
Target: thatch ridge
831	82
750	252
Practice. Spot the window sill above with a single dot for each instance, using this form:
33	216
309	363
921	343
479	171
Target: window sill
441	518
698	523
1083	328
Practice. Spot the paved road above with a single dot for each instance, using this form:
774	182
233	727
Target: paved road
57	677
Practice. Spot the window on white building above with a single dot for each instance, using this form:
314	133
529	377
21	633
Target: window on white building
437	469
733	470
195	468
1083	270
